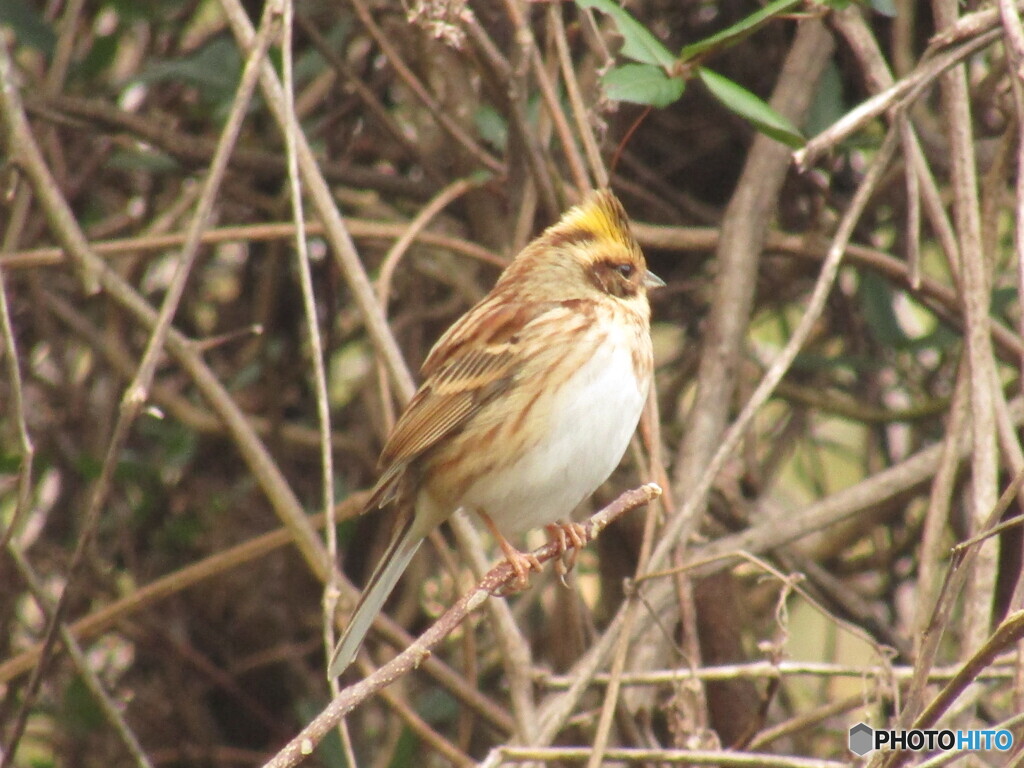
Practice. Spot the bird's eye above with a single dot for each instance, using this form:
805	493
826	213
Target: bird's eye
626	270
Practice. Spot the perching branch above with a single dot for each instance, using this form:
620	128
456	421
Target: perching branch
499	577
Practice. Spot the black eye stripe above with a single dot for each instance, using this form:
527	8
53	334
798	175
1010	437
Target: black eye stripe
614	277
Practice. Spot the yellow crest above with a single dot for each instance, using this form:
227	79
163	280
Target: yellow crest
601	216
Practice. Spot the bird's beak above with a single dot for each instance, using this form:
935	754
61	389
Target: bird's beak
651	280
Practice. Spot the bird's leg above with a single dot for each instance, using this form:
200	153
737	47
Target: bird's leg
570	538
522	562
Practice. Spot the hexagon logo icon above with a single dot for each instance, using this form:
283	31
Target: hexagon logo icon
861	739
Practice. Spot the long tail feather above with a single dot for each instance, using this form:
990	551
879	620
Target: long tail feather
391	566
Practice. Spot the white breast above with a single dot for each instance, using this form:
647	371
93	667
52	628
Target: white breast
591	419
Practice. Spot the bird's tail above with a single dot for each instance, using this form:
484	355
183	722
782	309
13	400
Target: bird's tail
391	566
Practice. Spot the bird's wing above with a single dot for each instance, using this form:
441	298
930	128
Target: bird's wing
474	362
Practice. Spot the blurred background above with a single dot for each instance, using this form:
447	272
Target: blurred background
449	134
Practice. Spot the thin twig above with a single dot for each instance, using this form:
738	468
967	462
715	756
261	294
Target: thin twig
572	90
336	231
413	230
976	297
758	670
360	229
514	647
577	169
17	406
407	76
850	23
1013	30
510	81
670	756
23	150
901	93
366	95
940	500
952	586
107	706
23	145
193	150
416	723
501	576
391	261
290	129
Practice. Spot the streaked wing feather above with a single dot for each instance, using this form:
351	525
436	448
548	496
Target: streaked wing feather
427	420
491	323
475	361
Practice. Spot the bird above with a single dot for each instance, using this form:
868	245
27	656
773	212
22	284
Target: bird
528	401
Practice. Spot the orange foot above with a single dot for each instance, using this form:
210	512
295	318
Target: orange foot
571	538
522	562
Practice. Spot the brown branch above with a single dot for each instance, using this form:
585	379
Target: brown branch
663	756
146	596
197	151
366	95
579	109
360	229
418	725
1009	632
903	92
975	284
110	709
509	83
9	348
744	232
501	576
407	76
525	38
337	232
938	297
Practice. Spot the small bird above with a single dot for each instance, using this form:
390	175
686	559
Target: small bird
528	401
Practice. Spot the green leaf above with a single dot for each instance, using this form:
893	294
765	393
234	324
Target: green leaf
638	43
739	30
752	109
10	462
877	300
491	126
142	160
215	69
81	714
101	55
829	104
642	84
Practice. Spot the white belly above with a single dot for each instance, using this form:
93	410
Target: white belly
586	435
